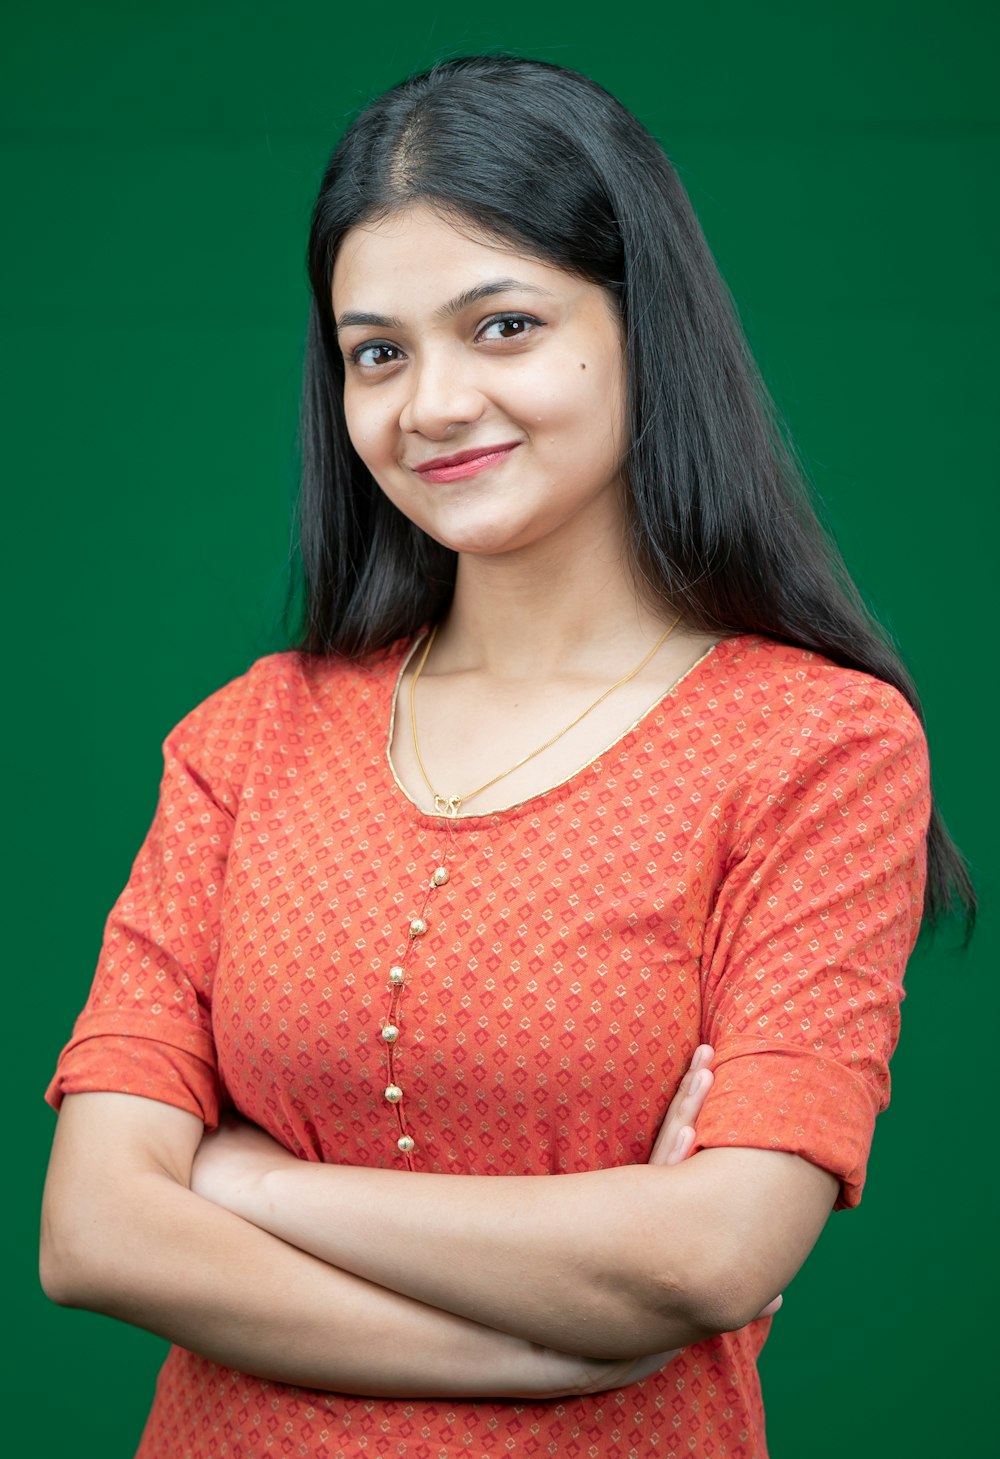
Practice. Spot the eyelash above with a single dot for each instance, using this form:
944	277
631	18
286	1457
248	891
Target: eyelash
511	319
382	344
373	344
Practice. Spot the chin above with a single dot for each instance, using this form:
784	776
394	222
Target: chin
480	547
484	539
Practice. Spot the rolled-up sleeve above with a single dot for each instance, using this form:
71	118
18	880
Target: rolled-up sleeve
811	930
146	1028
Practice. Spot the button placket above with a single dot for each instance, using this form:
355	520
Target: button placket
392	1030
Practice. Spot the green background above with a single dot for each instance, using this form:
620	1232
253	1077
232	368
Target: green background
159	162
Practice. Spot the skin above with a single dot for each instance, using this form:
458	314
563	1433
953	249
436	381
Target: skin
124	1232
536	364
546	614
526	1286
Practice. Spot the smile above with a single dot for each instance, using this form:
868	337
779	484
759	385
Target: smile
464	463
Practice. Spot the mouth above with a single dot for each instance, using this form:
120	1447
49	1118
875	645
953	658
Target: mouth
464	463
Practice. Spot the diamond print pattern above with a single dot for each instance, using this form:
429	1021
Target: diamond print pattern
744	867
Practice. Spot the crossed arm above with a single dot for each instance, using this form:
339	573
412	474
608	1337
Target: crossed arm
346	1278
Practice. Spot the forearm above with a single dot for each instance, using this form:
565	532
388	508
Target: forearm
612	1263
569	1261
177	1265
123	1234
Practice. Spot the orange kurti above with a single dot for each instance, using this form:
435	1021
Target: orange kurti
744	867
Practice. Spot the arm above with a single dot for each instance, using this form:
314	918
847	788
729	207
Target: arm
122	1234
635	1259
802	960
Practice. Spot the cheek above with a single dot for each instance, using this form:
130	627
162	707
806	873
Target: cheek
605	408
372	428
585	404
368	427
559	396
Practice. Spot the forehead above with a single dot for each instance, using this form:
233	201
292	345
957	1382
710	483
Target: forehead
419	256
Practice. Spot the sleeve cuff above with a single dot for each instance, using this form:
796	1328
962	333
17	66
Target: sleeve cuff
98	1060
773	1097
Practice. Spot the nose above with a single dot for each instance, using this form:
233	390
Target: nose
441	394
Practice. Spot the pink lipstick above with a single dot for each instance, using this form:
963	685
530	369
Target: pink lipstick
463	463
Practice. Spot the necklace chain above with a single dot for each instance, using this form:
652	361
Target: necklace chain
451	805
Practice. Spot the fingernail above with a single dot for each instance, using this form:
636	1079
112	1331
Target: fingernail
699	1083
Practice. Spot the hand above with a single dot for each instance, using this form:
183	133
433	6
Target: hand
230	1161
675	1139
604	1374
550	1375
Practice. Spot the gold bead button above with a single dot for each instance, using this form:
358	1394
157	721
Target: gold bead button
393	1094
418	927
396	975
440	876
405	1143
390	1033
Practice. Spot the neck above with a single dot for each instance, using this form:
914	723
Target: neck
533	616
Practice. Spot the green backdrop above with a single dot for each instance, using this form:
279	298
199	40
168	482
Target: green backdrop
159	162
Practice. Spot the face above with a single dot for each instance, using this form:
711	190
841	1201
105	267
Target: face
484	389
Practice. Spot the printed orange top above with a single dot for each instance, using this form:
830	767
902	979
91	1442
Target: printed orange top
743	867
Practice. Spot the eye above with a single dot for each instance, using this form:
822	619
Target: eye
374	353
508	326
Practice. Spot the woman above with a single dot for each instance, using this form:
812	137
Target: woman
590	768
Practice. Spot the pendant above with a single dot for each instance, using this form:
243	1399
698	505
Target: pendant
448	805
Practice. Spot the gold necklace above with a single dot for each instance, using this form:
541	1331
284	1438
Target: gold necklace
451	805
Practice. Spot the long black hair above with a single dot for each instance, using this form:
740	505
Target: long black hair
720	522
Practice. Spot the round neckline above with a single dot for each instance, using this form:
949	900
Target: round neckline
528	803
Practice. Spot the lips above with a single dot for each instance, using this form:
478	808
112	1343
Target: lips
464	463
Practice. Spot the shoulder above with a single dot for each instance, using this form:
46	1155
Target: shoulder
779	691
804	732
280	704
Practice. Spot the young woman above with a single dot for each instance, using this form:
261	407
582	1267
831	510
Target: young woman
589	770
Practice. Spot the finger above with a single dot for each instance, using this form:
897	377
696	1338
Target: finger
702	1057
682	1146
646	1367
684	1110
695	1096
603	1378
686	1104
771	1308
700	1060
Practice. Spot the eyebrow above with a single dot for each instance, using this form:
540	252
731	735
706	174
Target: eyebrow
445	311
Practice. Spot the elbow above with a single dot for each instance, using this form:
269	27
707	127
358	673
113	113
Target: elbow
724	1306
65	1272
74	1256
668	1312
723	1297
56	1272
58	1286
715	1292
713	1276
